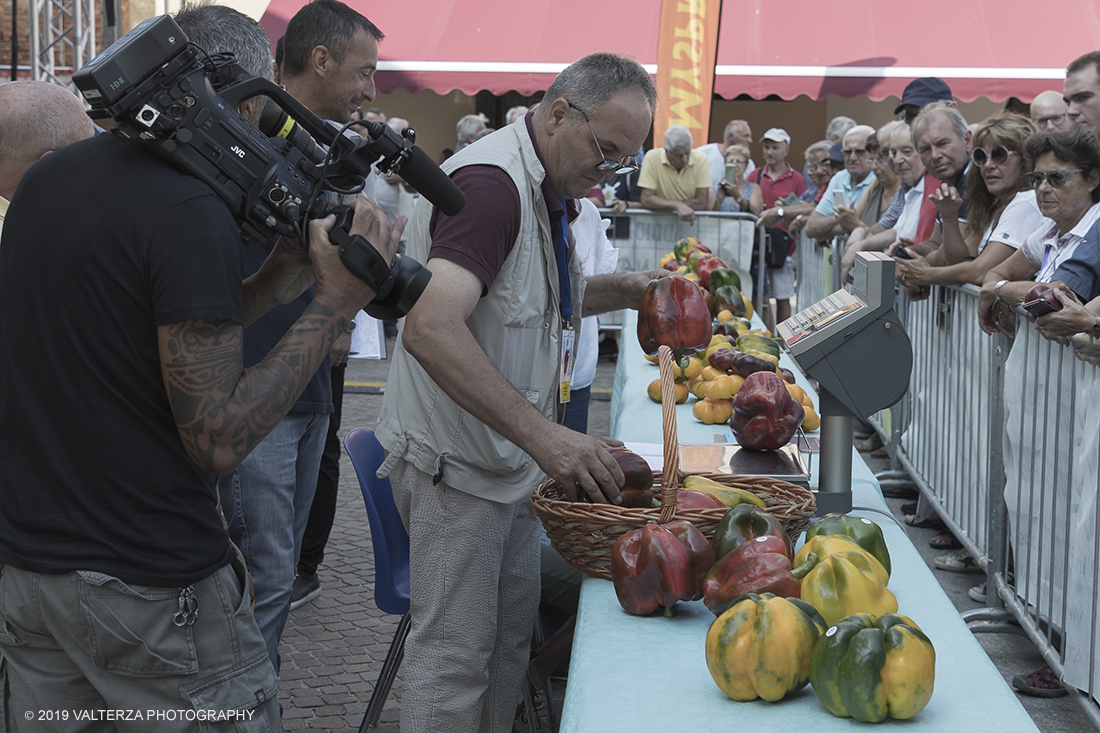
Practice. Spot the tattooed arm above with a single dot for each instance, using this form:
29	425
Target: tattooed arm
223	410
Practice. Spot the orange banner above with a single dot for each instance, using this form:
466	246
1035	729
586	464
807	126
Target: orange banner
686	53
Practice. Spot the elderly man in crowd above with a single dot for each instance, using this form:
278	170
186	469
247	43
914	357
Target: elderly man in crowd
778	183
24	107
909	208
737	132
1082	91
675	177
468	128
829	220
470	415
1049	112
943	143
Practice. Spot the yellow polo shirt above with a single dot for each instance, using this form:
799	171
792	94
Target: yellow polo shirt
669	183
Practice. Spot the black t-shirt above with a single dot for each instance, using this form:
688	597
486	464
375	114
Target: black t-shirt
104	242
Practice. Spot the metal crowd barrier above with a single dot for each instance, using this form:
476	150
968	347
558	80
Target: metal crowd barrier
1003	438
643	237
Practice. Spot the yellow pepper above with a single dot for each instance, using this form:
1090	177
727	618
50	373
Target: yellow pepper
762	647
847	583
723	387
712	412
824	545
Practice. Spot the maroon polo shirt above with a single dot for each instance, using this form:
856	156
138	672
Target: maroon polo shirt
481	236
790	181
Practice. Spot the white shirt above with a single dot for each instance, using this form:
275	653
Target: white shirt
1047	251
906	225
597	257
1019	219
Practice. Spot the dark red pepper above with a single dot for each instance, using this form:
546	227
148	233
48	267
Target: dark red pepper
745	522
693	499
673	313
765	416
659	564
637	492
761	565
732	361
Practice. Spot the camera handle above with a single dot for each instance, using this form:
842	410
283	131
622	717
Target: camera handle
397	286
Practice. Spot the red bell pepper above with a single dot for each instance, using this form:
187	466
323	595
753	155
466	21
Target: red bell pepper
659	564
693	499
765	416
732	361
706	265
760	565
673	313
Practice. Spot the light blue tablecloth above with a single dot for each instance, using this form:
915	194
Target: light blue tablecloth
631	674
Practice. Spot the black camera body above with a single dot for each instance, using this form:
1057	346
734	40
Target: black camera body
182	105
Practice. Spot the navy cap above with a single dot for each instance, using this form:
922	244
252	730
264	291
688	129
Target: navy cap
924	90
835	154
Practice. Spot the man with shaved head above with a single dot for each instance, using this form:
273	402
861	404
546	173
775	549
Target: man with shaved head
36	119
1048	112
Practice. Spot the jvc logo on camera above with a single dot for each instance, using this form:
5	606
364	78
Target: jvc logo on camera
238	150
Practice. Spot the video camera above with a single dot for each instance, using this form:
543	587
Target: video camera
182	104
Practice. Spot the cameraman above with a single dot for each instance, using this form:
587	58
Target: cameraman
329	55
122	394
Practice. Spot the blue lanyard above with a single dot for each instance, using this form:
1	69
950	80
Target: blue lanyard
561	249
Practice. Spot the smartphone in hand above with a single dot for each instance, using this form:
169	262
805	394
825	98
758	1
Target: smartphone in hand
838	199
900	253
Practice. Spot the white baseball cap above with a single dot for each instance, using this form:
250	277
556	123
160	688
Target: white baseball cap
776	134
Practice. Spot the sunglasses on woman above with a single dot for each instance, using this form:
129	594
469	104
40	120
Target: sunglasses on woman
998	155
1056	179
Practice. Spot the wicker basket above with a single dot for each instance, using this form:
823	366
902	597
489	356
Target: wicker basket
584	533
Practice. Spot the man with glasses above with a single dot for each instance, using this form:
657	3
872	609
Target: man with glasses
480	380
675	177
1049	112
828	220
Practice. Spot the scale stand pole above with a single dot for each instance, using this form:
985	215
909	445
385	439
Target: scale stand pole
834	491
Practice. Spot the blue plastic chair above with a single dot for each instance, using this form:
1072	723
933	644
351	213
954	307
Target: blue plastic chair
391	558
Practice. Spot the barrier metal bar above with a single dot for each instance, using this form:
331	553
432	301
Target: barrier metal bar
644	236
814	280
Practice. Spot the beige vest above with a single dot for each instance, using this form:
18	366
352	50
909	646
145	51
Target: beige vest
518	326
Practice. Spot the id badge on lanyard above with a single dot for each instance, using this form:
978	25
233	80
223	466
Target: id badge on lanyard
568	356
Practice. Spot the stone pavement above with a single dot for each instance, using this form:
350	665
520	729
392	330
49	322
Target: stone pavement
334	647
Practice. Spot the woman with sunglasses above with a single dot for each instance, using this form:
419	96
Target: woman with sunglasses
1066	180
1002	209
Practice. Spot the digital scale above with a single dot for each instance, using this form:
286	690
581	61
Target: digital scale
854	346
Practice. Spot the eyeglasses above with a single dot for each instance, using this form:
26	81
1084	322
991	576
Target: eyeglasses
617	166
1052	120
998	155
1056	179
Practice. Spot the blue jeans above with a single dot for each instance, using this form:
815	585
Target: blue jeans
266	503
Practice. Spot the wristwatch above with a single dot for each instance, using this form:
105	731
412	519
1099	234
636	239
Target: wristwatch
780	210
351	326
997	291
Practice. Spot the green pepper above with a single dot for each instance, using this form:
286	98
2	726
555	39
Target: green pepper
871	669
727	298
863	531
686	246
724	276
743	523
